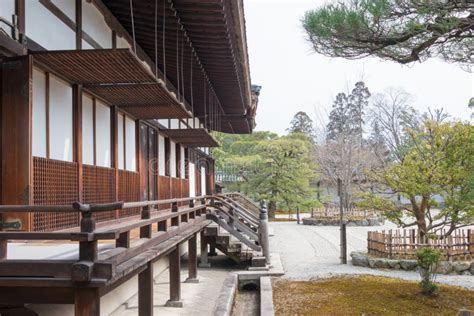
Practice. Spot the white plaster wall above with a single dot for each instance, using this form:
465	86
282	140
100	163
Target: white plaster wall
161	155
46	29
93	23
87	130
131	157
172	161
174	123
122	43
60	119
182	163
203	181
103	134
192	180
7	9
164	122
39	114
86	45
120	142
68	7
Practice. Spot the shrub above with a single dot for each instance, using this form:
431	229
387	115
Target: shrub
428	260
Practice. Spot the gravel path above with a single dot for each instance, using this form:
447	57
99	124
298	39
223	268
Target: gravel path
309	252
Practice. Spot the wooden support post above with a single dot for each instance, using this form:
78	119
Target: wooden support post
175	279
174	209
3	249
86	301
191	203
204	262
123	240
162	226
16	130
212	248
146	231
145	291
88	249
192	260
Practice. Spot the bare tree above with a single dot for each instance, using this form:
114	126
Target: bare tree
346	159
392	112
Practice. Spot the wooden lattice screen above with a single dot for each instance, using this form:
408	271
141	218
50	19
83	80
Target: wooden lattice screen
129	190
99	187
54	183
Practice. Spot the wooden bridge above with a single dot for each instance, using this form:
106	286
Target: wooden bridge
94	272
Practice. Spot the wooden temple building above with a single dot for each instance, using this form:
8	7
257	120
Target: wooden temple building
108	110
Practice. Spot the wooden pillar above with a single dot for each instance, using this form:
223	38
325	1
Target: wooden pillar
212	249
145	291
204	263
175	279
86	301
77	111
20	12
78	24
16	125
146	231
192	260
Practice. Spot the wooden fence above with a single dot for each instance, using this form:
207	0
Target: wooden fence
403	244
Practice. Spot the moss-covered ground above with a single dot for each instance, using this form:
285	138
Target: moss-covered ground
366	295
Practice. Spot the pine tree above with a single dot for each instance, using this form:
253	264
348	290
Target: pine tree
358	101
303	124
338	117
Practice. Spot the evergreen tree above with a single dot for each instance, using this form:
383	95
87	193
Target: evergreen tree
303	124
358	101
347	114
338	117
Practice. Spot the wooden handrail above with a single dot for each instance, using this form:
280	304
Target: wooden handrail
103	207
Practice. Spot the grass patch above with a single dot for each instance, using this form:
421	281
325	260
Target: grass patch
366	295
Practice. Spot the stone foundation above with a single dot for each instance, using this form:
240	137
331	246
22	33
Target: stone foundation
362	259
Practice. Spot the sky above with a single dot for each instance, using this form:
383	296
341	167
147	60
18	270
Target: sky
294	78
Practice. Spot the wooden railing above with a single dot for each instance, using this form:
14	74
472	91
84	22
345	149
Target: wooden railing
159	233
403	244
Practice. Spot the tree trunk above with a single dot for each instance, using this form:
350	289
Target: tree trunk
271	209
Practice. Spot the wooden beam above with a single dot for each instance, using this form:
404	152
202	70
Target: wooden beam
20	12
78	24
86	301
77	111
175	279
145	291
16	125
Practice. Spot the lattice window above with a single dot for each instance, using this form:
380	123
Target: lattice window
99	187
129	191
54	183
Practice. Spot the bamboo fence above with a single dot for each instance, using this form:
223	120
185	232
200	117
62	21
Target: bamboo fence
403	244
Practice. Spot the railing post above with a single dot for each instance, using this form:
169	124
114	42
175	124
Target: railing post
87	249
191	203
146	231
192	260
145	291
175	279
3	249
263	231
174	209
86	301
204	262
